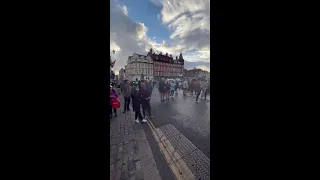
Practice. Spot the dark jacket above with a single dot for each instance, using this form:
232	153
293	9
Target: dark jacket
197	86
126	90
149	88
135	100
161	85
144	95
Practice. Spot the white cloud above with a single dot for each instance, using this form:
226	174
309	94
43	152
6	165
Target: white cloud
188	23
125	10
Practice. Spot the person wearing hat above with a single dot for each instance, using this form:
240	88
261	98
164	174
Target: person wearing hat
136	101
113	95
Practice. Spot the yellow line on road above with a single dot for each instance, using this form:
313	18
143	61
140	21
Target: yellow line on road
177	166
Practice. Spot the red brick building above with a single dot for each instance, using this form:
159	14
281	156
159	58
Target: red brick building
166	66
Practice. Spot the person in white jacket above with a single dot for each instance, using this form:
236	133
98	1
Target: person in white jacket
185	86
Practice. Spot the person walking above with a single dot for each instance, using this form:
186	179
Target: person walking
126	95
204	87
168	87
162	89
154	83
197	88
145	100
176	86
139	83
113	95
149	87
191	87
172	88
136	101
185	86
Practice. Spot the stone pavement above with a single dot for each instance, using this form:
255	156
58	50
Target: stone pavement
130	153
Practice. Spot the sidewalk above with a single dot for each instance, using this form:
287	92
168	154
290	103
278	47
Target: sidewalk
130	153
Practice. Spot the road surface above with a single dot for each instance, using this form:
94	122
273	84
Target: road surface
188	117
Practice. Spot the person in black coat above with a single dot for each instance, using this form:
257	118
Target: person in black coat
136	101
145	100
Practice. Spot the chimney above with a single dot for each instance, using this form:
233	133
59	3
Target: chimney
176	58
166	54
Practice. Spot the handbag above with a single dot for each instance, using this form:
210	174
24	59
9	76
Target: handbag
115	103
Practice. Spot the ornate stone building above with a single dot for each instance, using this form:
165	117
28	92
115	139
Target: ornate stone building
154	66
138	67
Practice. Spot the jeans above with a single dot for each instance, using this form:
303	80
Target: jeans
198	94
114	110
126	103
146	106
171	92
138	114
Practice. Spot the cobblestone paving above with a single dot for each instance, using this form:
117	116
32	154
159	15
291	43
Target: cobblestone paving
131	157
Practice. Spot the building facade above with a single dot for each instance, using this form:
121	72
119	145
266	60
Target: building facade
139	67
196	73
121	74
166	66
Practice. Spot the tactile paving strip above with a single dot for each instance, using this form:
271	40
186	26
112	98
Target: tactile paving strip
182	145
197	162
169	130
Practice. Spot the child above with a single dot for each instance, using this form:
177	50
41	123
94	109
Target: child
136	101
113	95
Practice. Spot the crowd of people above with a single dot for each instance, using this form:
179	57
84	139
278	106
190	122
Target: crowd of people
136	92
168	88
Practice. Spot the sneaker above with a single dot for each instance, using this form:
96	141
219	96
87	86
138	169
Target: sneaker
137	121
197	101
144	120
115	115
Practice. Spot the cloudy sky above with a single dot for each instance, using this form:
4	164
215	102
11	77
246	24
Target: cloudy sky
167	26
